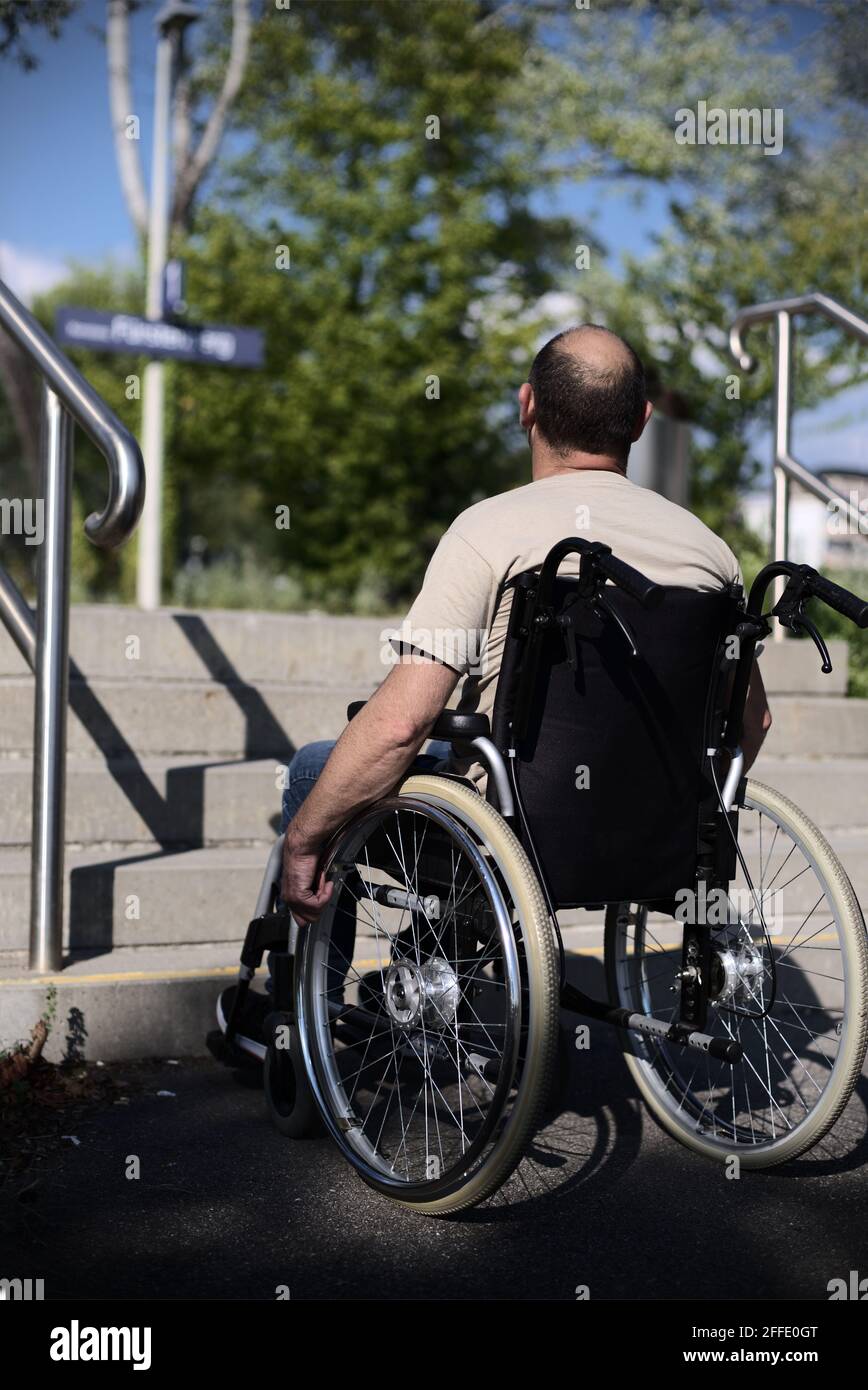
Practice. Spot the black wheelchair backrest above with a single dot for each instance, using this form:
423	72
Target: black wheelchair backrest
610	759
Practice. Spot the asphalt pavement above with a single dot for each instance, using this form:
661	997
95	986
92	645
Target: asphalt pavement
224	1208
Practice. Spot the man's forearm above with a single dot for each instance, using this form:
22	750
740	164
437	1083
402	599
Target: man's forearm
366	763
374	751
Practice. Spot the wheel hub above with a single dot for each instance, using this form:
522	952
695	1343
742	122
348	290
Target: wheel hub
422	995
737	976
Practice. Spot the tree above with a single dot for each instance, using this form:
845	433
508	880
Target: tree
19	383
193	158
771	228
16	16
413	257
386	209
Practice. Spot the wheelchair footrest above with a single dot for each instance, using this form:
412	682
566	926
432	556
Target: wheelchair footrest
228	1052
724	1049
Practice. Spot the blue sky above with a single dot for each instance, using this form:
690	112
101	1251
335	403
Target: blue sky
61	197
61	200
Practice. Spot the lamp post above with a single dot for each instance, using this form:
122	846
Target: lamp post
171	22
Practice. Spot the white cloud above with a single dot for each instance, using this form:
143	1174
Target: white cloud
28	273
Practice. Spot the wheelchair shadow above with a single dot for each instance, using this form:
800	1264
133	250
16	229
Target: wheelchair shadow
176	820
594	1133
844	1149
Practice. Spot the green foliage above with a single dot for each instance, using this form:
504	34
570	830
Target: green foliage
17	16
101	574
393	337
412	257
415	259
49	1013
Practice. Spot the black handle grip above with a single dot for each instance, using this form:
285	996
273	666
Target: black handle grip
842	600
630	580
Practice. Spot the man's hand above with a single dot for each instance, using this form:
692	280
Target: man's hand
370	757
304	889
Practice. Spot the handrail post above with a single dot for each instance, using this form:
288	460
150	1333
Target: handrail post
785	469
67	398
781	492
52	691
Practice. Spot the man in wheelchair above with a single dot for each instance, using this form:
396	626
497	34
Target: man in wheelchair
582	408
605	656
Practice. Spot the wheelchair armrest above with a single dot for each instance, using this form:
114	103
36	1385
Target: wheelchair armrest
450	724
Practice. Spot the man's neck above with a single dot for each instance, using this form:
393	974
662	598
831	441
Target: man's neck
545	463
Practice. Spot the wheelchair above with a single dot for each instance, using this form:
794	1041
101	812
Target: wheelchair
735	953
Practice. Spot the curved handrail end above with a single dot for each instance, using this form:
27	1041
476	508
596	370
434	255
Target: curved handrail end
119	518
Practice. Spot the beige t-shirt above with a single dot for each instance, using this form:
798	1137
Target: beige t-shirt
461	613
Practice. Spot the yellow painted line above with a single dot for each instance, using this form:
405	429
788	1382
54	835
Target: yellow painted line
579	951
218	971
117	975
599	951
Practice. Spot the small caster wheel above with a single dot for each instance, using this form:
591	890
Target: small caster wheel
288	1097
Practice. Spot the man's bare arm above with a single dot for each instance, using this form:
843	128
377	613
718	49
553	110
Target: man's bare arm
757	718
370	757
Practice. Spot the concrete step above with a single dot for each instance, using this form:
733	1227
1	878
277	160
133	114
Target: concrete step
273	717
217	644
174	801
121	1006
792	667
142	897
817	726
139	896
223	645
833	792
180	802
183	717
133	1003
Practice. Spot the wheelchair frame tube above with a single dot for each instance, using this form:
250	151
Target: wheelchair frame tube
577	1002
756	626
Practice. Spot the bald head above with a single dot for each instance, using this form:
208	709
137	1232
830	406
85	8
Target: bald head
588	393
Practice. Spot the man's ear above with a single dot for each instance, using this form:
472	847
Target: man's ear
646	416
526	407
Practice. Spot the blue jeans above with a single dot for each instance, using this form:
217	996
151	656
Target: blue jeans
309	761
304	769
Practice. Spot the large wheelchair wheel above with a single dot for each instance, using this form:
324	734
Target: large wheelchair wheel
431	1060
793	992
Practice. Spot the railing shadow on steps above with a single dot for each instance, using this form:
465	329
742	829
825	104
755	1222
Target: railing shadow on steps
43	641
92	886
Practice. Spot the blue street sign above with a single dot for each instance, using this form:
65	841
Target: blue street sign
104	332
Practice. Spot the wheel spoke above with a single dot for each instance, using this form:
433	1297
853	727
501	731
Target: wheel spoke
783	1011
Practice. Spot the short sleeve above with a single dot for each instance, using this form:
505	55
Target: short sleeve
737	576
451	617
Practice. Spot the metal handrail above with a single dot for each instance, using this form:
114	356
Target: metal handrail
117	521
785	467
44	641
803	304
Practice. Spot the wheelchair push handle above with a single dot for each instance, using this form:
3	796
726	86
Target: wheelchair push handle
630	580
848	604
803	583
596	560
